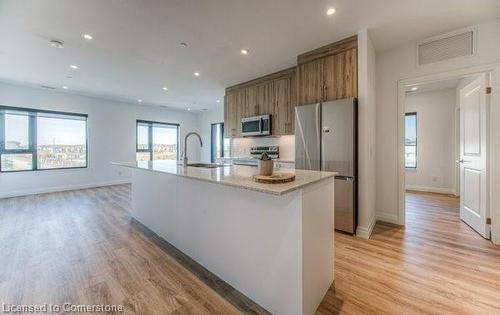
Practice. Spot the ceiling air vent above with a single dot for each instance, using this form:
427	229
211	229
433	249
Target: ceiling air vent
48	87
444	47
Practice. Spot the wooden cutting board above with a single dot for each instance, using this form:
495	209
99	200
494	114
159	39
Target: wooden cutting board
275	178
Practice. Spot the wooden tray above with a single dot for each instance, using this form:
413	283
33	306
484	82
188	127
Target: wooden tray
276	178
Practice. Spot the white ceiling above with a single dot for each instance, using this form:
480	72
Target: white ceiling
136	51
434	86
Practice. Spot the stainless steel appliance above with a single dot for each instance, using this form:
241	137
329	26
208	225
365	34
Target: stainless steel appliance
256	126
255	153
326	139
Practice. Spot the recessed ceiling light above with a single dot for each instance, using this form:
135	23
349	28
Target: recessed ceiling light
196	74
164	88
189	109
139	100
65	87
87	36
56	43
217	101
414	88
331	11
244	51
75	67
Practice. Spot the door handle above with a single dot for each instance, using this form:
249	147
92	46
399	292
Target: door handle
461	161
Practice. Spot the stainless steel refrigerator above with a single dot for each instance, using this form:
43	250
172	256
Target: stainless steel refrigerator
326	140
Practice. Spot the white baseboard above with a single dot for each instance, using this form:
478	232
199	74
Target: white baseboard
45	190
388	217
366	231
438	190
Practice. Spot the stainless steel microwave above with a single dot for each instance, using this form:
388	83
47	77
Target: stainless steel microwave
256	126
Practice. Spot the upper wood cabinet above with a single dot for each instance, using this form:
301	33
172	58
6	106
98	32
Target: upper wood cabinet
340	75
258	99
274	94
234	105
284	106
310	78
328	73
324	74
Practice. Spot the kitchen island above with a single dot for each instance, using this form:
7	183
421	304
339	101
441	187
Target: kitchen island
273	243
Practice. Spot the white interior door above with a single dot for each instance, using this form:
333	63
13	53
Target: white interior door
474	183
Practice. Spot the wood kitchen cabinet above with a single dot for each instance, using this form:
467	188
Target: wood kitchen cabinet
234	105
340	75
310	78
328	73
324	74
283	107
274	94
258	99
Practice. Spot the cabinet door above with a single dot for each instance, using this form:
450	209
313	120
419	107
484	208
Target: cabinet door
310	82
257	100
229	113
340	75
235	102
282	107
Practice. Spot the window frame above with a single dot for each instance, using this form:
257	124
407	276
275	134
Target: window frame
416	140
32	137
150	136
212	153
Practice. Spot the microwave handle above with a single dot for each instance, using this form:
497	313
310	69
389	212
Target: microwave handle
261	122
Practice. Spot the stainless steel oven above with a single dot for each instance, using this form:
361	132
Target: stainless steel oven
256	126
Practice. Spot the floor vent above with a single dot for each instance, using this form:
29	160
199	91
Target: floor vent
445	47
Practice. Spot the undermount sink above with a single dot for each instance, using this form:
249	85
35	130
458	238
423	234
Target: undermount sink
206	165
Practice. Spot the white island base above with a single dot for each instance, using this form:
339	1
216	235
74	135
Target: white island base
276	249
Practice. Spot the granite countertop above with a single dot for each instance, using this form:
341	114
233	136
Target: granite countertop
231	175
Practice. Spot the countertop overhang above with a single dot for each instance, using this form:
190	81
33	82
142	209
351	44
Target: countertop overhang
239	176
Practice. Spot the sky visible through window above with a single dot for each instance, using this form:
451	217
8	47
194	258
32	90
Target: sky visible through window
411	128
16	130
50	130
411	140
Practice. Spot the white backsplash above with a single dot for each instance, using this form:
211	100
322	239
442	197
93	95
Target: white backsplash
240	147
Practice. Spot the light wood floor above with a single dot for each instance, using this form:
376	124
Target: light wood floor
435	265
82	247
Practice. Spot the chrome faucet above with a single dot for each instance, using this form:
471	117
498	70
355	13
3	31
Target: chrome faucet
185	159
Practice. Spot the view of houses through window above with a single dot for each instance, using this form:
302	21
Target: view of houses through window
157	141
411	140
38	140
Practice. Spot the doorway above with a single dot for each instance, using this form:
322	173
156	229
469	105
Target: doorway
446	148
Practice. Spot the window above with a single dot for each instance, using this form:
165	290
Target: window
157	141
411	140
33	140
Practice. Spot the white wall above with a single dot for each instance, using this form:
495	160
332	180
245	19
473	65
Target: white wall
366	138
111	127
205	120
398	64
436	141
